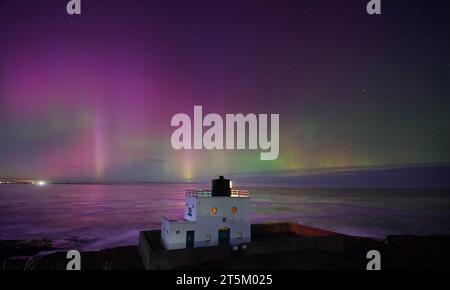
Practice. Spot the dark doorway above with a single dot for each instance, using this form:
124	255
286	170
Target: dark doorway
224	236
190	239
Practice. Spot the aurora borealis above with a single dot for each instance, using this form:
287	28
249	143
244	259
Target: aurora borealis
91	97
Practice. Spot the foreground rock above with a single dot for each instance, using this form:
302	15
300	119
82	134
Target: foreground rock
397	253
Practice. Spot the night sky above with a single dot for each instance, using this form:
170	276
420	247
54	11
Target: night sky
91	97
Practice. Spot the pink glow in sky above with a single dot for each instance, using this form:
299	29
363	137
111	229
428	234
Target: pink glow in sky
91	97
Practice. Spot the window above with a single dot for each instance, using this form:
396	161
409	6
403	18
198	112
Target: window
213	211
177	232
207	238
224	219
238	235
234	210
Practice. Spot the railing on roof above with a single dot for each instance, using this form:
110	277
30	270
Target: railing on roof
239	193
208	193
198	193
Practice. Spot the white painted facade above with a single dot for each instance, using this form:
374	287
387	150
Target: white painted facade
205	215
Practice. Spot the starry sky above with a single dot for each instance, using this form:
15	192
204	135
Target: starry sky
91	97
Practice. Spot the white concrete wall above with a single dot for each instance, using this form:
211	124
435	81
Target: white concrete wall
239	223
206	226
173	234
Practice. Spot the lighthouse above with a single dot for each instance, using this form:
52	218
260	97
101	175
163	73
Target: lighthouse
219	216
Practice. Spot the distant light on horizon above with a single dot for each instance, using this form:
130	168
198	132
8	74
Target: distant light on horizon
41	183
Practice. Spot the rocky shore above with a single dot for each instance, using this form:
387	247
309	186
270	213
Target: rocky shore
397	253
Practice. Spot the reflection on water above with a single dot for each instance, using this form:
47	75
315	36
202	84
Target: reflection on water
98	216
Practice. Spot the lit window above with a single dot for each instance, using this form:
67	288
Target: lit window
213	211
234	210
207	238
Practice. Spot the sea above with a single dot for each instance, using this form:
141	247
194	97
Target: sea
92	217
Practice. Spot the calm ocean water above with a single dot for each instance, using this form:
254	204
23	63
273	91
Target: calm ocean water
90	217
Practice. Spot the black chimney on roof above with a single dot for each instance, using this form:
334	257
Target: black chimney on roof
221	187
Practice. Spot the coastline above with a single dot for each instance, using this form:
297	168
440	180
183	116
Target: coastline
399	252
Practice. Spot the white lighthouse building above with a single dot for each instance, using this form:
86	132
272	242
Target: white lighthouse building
211	217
